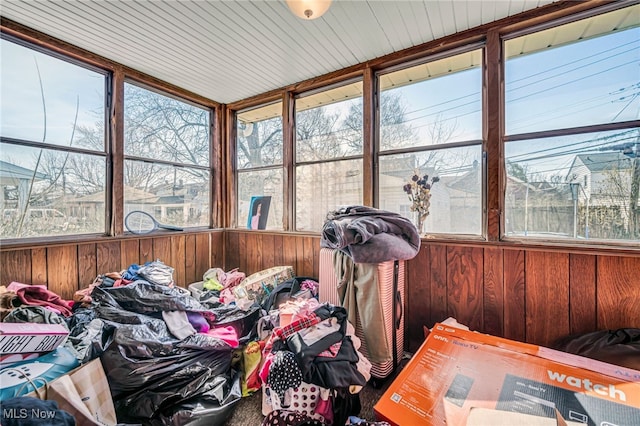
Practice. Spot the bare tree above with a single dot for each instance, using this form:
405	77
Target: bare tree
162	127
394	130
613	207
260	143
319	135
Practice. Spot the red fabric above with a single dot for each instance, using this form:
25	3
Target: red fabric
121	282
39	295
295	326
281	333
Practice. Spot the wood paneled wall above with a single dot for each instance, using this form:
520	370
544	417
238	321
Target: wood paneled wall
523	294
527	294
70	267
252	251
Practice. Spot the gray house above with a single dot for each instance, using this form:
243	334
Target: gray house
13	176
604	188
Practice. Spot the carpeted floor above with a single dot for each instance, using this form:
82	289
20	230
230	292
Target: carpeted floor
248	412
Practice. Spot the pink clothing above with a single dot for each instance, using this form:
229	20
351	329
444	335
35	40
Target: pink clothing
39	295
227	334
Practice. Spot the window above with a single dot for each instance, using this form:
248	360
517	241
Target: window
328	153
167	158
259	161
572	154
52	149
430	123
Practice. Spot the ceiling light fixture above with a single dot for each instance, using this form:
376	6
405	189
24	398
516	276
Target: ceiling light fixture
308	9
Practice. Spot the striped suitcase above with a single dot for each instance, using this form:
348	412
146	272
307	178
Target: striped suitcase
391	277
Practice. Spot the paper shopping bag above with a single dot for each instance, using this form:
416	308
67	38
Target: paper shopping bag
85	394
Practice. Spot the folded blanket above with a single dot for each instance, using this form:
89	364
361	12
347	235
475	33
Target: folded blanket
370	235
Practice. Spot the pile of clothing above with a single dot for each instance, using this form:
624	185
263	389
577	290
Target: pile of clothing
311	364
370	235
167	357
171	358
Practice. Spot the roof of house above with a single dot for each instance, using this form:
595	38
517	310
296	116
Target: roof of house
602	161
10	173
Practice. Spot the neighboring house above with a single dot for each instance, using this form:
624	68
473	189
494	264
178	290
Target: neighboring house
182	203
601	177
93	205
605	188
13	176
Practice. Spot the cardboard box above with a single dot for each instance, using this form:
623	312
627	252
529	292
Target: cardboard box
256	287
6	359
17	338
456	371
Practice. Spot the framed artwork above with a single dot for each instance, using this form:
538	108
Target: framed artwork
258	212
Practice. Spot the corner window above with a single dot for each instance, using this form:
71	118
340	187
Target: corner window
430	124
53	156
166	162
328	153
572	153
260	167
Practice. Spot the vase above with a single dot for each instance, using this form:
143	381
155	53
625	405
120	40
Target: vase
419	222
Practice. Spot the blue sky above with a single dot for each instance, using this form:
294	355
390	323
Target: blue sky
64	85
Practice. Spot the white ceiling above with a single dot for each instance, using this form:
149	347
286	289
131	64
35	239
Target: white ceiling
231	50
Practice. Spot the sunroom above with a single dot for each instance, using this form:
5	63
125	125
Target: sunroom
225	141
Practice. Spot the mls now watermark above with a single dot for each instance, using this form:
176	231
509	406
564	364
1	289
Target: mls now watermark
28	413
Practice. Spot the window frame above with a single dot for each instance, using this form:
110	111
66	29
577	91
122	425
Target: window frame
557	132
209	168
106	153
235	219
294	161
115	77
380	153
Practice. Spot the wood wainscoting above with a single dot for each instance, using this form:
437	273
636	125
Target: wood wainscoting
68	267
529	294
252	251
532	295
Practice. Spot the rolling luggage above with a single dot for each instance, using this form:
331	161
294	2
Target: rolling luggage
391	279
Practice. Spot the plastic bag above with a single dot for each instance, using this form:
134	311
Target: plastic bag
150	372
143	297
92	341
243	322
211	409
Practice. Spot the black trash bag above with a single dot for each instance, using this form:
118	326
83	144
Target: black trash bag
618	347
92	341
213	408
119	316
149	372
193	375
134	342
243	322
79	320
143	297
